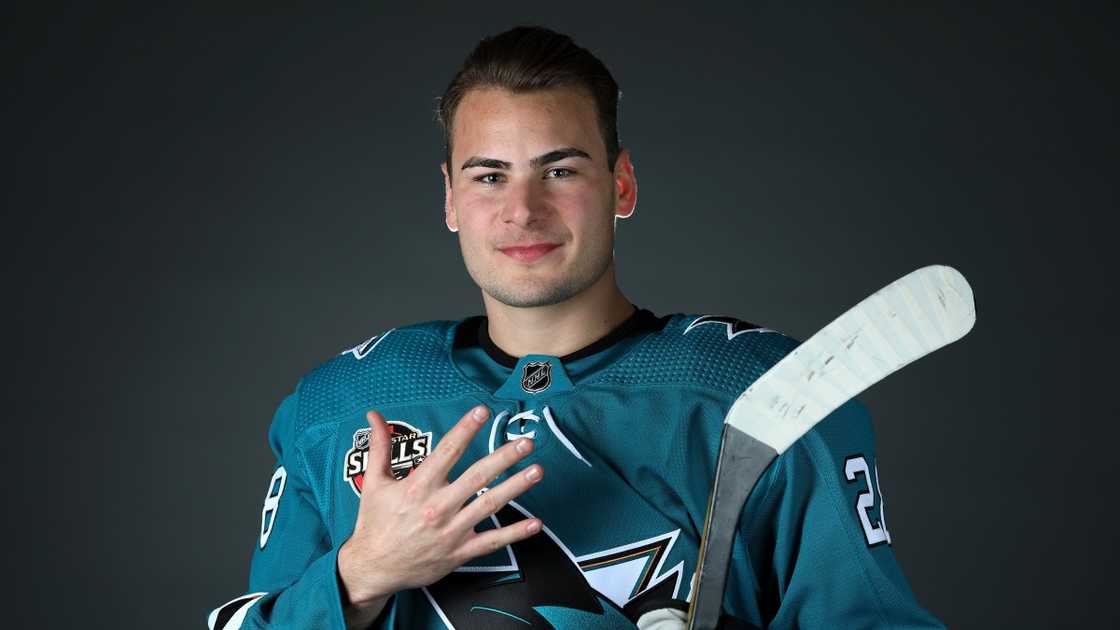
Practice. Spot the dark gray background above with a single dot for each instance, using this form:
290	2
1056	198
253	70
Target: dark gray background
204	205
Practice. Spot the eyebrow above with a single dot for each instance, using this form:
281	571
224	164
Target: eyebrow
540	160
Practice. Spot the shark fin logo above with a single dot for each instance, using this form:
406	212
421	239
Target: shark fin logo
735	327
363	349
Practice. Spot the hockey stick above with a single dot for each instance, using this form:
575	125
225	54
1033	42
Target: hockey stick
904	321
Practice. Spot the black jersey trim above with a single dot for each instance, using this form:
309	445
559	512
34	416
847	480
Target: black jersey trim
474	331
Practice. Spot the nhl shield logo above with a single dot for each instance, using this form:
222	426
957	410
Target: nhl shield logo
408	447
536	377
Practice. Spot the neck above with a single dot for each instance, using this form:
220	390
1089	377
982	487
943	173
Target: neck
559	329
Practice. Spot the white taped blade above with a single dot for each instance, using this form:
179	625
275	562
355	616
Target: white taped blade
904	321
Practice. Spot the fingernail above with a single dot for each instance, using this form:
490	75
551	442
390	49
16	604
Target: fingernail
534	527
522	445
533	474
479	413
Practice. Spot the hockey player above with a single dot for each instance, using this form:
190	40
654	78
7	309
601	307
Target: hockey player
548	464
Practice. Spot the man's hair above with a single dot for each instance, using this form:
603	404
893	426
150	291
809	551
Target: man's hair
530	58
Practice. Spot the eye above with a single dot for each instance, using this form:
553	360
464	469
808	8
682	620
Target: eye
489	179
558	173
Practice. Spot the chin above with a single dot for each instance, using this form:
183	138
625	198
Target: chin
531	293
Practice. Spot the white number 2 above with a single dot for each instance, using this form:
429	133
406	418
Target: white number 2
272	503
876	533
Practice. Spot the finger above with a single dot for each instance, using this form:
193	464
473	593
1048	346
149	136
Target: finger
496	498
483	472
377	464
494	539
451	447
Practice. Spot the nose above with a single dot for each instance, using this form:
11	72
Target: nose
524	204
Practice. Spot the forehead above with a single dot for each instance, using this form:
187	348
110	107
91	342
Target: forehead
489	120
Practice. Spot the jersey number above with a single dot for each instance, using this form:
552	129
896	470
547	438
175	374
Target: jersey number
272	503
876	533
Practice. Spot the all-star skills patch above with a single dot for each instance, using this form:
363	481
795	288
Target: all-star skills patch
408	447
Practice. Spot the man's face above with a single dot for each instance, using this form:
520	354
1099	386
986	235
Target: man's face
531	194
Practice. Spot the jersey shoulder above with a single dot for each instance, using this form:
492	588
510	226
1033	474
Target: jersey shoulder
406	364
711	352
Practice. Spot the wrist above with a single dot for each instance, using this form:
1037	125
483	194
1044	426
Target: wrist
357	585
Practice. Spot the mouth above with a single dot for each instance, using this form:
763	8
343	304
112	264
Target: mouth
528	253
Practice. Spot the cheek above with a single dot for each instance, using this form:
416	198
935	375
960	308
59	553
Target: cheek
474	227
474	211
587	213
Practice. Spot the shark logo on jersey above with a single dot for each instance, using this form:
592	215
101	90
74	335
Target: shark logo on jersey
408	447
735	327
536	376
542	584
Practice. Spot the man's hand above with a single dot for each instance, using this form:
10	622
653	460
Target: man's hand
412	532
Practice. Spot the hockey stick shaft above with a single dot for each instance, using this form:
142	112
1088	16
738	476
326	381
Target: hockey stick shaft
741	462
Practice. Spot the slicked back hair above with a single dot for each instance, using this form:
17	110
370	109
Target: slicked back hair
530	58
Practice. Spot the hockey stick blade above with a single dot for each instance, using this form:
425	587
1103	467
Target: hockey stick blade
898	324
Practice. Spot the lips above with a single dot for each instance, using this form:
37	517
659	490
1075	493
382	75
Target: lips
528	253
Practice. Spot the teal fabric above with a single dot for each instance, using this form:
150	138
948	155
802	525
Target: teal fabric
627	438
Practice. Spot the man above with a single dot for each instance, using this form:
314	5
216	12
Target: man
549	464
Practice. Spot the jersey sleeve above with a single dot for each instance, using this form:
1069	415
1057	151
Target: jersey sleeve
293	578
827	551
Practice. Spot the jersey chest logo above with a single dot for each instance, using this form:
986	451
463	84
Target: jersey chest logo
408	447
540	582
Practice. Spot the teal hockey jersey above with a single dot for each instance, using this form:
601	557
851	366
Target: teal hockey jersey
626	431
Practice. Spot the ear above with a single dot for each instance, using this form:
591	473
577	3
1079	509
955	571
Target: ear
625	186
449	217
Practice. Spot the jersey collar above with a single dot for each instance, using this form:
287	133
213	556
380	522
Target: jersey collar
535	376
474	331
